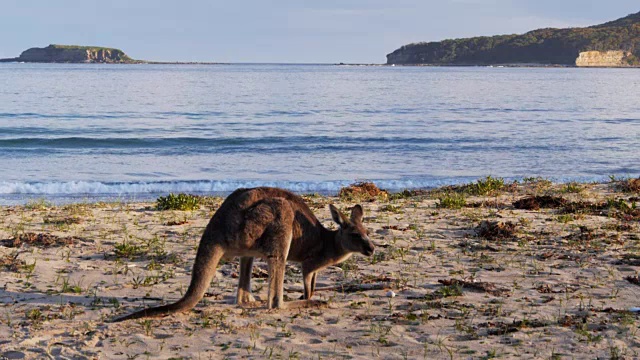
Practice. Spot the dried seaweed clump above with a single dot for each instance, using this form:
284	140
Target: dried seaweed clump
62	220
501	328
633	279
487	287
11	262
365	191
493	230
629	185
39	240
538	202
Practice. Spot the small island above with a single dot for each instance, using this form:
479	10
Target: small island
612	44
74	54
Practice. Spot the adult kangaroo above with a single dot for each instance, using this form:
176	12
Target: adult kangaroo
276	225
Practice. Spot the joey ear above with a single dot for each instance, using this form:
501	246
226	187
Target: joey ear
337	216
356	214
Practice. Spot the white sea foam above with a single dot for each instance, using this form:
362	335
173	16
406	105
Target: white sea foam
141	189
88	188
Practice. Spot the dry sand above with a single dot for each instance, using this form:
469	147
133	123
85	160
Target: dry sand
552	284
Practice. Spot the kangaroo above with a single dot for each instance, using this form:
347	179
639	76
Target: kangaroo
276	225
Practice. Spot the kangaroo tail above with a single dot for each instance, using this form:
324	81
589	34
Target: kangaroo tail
204	268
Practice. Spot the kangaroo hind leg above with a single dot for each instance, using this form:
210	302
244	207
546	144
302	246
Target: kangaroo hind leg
276	242
244	285
277	266
309	272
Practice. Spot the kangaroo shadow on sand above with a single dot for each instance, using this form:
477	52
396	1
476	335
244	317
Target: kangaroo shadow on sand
107	302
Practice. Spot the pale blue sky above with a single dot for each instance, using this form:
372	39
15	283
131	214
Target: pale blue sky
326	31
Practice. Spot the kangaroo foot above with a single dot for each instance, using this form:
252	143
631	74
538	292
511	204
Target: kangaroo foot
276	303
244	297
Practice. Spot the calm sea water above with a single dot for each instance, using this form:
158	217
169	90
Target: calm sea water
136	131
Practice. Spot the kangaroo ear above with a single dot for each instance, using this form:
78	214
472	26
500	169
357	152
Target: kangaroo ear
356	214
337	216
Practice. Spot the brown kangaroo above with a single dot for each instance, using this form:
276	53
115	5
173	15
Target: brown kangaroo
274	224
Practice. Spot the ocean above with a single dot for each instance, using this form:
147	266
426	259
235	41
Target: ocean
89	132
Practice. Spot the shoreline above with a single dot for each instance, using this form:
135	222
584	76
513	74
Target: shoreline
527	270
207	63
65	192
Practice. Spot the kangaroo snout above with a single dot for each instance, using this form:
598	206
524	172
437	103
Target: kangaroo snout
368	248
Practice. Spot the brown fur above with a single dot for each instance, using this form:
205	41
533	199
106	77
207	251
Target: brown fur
276	225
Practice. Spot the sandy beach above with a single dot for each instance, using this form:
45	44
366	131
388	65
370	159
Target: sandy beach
487	270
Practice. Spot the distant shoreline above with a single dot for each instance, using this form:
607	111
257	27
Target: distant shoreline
554	66
210	63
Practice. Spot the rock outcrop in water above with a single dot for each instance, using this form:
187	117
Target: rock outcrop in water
613	44
74	54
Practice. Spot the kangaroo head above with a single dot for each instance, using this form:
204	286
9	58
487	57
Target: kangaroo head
352	234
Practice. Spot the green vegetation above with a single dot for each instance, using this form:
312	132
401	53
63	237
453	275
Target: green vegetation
128	250
572	187
451	201
37	204
454	197
181	201
542	46
79	47
485	186
449	291
622	206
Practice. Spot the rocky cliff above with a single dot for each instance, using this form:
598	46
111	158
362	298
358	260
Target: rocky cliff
74	54
544	46
610	58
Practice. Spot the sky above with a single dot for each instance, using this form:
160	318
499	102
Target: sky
281	31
